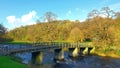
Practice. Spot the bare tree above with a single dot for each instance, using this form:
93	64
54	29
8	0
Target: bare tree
108	12
104	12
93	13
49	16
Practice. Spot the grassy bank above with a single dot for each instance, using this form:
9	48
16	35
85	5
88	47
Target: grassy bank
109	55
7	62
113	53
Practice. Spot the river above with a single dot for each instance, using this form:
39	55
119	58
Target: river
80	62
91	61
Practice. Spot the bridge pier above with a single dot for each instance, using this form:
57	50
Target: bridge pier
37	57
90	49
73	52
81	53
85	52
58	54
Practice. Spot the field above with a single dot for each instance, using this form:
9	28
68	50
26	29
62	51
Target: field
7	62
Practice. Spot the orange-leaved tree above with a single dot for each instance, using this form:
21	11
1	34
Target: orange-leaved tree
76	35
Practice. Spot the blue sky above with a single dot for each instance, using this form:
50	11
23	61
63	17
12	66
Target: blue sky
15	13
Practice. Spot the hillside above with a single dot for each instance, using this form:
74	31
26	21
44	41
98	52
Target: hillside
43	32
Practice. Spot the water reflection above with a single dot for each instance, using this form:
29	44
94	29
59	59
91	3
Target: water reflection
80	62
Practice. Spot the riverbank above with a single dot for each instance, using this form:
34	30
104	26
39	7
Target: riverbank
108	54
8	62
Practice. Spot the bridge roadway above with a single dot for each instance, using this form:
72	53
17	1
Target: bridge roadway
43	47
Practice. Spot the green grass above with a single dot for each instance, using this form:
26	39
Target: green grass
7	62
118	52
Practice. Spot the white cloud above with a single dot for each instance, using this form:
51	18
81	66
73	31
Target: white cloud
29	16
102	15
26	19
11	19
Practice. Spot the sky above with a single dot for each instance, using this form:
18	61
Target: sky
16	13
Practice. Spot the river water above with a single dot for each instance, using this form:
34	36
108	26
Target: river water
80	62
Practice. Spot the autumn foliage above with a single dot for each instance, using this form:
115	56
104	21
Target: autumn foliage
102	28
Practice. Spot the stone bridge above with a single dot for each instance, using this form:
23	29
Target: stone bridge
74	49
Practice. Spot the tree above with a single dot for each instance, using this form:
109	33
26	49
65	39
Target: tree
49	17
105	12
104	31
108	12
118	17
102	25
2	29
3	36
93	13
117	14
76	35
